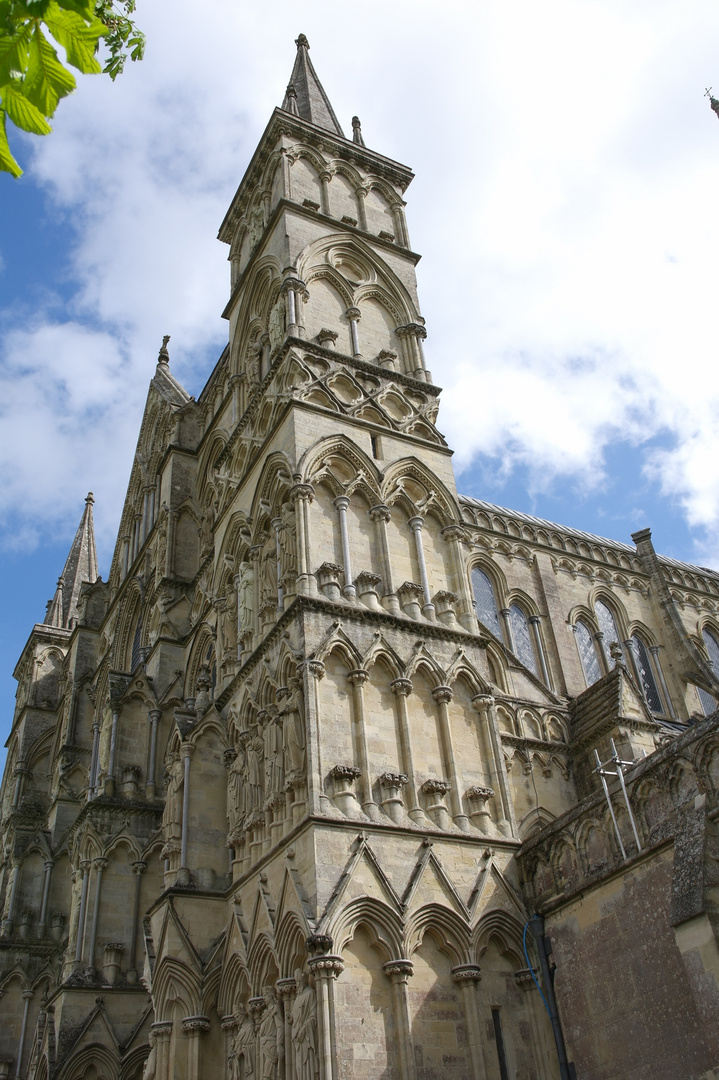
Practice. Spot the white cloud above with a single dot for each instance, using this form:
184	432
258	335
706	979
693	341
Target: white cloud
565	165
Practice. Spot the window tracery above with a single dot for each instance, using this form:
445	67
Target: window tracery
644	669
521	638
485	601
587	653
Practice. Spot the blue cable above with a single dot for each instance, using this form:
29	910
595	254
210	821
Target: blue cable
531	970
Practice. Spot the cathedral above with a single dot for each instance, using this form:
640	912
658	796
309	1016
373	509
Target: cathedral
341	775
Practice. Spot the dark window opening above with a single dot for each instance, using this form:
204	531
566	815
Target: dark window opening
499	1039
136	655
376	448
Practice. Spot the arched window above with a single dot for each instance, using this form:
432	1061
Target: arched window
136	655
709	705
521	638
485	601
641	659
608	628
587	653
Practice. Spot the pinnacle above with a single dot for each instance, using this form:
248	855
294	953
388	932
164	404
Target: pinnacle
80	566
305	95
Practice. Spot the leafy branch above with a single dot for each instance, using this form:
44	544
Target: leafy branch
33	80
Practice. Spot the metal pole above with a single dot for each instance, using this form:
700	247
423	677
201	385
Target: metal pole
609	803
620	774
537	924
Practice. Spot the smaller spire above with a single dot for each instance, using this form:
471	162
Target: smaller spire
164	356
357	131
290	102
80	566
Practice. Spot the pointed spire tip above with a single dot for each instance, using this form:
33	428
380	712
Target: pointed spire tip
164	356
90	498
301	42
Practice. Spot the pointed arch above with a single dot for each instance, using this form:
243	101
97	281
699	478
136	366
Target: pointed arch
378	919
451	934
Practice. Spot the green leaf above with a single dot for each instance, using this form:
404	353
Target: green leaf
47	80
14	53
79	40
84	8
22	112
7	161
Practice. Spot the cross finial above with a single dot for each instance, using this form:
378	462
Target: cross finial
164	357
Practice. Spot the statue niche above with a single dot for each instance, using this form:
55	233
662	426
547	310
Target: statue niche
241	1058
172	813
304	1028
271	1038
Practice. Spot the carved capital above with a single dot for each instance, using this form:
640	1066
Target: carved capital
435	787
326	967
380	512
358	677
401	968
314	667
401	687
467	973
318	944
393	780
195	1025
442	694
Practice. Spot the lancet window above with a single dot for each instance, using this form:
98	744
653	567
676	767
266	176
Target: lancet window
644	670
485	601
522	638
712	647
587	653
607	627
136	655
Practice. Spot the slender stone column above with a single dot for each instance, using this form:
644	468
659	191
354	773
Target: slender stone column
163	1034
415	525
361	194
603	662
325	178
154	717
507	628
654	650
629	651
19	772
10	917
139	867
358	679
400	226
194	1028
229	1026
110	778
354	315
398	972
402	688
492	744
381	515
94	759
302	494
187	750
534	622
342	502
42	924
443	695
125	555
454	536
27	998
411	335
99	865
85	866
170	553
325	968
286	989
256	554
467	977
276	524
312	671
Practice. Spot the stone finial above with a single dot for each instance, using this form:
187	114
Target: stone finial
301	42
713	102
357	131
164	356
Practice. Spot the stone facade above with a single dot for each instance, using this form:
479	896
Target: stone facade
282	794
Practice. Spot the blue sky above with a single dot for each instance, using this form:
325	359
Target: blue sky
566	163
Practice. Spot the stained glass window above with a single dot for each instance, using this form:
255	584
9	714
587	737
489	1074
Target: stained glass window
608	627
521	638
709	705
587	653
651	692
485	601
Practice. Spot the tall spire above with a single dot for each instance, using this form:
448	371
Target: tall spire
80	566
305	95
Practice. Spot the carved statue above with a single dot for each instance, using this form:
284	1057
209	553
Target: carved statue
150	1069
271	1034
269	571
242	1054
255	770
246	595
236	782
276	326
304	1028
228	626
288	541
272	738
172	814
293	731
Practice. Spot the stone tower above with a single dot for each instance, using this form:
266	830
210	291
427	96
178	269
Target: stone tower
283	792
